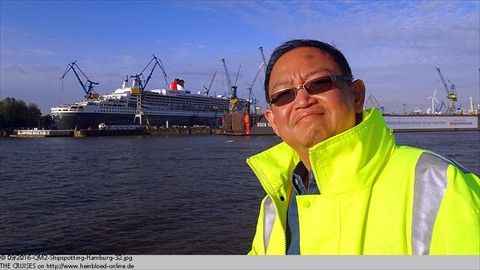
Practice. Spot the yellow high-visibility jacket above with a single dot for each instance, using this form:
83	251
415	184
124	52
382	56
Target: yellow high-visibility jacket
375	198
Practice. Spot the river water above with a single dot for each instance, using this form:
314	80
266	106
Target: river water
159	195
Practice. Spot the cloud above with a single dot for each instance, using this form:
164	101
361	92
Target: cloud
39	52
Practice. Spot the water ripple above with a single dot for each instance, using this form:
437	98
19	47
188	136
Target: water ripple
146	195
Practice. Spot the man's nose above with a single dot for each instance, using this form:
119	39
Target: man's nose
302	97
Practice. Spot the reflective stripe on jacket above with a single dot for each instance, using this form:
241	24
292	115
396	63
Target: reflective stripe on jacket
376	198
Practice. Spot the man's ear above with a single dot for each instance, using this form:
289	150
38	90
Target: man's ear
271	119
359	95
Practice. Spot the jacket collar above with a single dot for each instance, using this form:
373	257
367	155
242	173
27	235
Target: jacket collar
343	163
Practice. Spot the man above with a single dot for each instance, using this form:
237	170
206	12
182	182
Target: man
338	184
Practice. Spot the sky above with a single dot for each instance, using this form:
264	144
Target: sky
394	46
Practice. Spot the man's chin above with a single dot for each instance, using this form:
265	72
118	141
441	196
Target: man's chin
314	137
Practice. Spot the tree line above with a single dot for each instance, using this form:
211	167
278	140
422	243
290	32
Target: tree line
16	114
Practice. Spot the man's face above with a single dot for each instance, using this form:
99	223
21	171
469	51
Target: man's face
310	119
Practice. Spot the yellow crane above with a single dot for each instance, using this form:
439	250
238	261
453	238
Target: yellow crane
451	93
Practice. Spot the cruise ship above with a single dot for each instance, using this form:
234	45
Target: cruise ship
136	106
156	107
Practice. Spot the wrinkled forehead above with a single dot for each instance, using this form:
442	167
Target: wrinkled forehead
300	64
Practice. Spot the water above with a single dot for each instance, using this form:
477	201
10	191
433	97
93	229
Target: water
147	194
463	147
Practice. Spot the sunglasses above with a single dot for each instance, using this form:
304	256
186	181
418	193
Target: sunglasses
312	87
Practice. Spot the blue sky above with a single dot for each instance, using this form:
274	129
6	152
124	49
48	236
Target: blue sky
393	46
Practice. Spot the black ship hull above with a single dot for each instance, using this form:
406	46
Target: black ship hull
82	120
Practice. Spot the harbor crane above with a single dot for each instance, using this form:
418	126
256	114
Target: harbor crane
140	83
375	104
89	91
138	78
251	99
207	90
229	84
263	57
451	93
233	88
250	89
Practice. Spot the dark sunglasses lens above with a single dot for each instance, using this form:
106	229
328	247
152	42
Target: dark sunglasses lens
319	86
284	97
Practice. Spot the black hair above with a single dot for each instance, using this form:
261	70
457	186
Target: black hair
337	56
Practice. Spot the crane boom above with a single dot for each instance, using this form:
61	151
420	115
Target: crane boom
141	83
256	75
238	74
232	88
210	85
89	91
263	56
371	99
160	64
451	94
250	86
229	84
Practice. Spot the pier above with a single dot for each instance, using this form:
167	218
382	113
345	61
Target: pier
40	133
175	130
